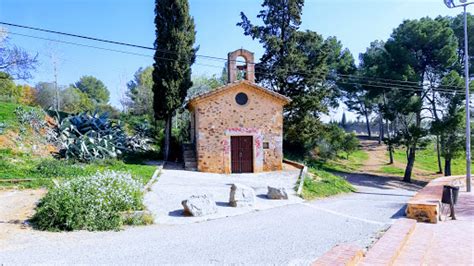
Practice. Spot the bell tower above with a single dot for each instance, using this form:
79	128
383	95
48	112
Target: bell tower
232	67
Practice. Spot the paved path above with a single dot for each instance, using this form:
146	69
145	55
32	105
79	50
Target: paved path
450	242
292	234
175	185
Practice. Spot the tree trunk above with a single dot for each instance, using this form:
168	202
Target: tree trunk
438	152
410	164
166	151
380	129
390	145
367	122
390	153
447	167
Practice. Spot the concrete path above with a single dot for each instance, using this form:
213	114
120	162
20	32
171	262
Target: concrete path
291	234
175	185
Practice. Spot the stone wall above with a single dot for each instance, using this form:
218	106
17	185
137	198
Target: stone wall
218	117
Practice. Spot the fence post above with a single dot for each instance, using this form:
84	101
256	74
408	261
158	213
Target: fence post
302	177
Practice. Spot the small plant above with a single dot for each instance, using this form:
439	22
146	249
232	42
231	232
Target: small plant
52	168
89	203
3	126
30	118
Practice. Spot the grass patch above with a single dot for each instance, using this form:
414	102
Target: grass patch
42	171
324	184
392	170
7	113
426	159
342	164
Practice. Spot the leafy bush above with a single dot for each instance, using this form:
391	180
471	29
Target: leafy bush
57	168
350	144
332	141
91	202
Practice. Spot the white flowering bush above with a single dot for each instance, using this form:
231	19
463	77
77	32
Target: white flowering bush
91	202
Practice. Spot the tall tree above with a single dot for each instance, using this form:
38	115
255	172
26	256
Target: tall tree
419	50
175	36
344	121
141	93
15	61
8	89
457	24
450	126
45	94
296	64
94	88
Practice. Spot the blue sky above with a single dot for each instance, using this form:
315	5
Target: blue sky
354	22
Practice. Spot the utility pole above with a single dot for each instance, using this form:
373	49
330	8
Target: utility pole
56	83
468	115
464	4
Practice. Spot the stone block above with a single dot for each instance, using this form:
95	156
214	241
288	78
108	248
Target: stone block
277	193
241	196
199	205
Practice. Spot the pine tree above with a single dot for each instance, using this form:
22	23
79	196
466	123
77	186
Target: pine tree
343	121
295	63
174	55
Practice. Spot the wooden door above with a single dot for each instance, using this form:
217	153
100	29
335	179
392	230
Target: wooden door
241	154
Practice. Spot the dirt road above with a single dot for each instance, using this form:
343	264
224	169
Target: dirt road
16	207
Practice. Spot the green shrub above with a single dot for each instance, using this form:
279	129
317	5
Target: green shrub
57	168
89	203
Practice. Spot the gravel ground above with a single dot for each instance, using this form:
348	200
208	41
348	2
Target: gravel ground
175	185
291	234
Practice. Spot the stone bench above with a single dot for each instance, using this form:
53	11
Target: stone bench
425	205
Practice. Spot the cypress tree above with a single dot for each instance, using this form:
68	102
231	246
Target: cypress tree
174	55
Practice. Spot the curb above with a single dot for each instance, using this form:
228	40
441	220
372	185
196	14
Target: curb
157	172
303	170
344	254
388	248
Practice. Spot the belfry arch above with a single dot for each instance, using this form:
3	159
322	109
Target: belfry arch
248	67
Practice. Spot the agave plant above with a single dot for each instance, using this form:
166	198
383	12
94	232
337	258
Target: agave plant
94	136
30	118
3	126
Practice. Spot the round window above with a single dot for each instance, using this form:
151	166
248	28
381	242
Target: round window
241	98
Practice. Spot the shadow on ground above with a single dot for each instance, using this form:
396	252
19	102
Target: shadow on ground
376	181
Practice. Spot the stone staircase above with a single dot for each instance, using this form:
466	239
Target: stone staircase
189	157
441	241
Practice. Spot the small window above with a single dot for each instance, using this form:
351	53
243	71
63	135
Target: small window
241	98
266	145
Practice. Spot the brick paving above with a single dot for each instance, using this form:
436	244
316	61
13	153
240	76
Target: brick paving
385	251
344	254
450	242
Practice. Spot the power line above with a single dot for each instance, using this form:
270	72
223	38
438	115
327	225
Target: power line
107	41
174	53
438	88
383	85
100	48
395	80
